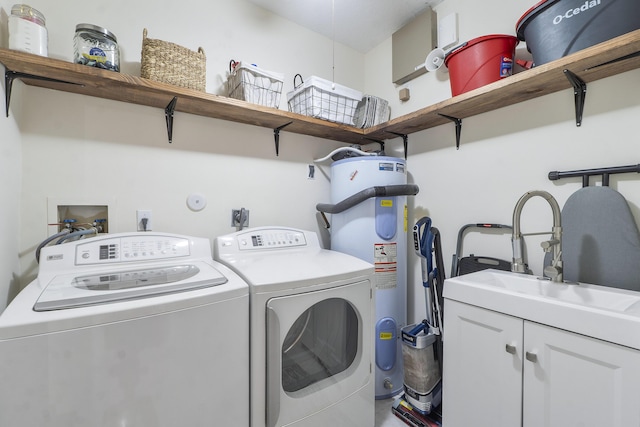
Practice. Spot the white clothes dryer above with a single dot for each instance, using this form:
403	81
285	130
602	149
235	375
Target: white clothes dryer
311	328
130	329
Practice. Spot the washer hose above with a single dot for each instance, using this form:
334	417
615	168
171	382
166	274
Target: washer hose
49	239
92	230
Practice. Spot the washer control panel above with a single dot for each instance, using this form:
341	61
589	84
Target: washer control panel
131	248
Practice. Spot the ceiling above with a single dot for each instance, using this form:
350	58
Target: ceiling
359	24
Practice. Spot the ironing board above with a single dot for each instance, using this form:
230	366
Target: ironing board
600	239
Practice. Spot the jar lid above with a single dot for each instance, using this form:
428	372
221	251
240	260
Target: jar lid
25	11
98	29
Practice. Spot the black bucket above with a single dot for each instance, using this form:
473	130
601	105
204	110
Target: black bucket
556	28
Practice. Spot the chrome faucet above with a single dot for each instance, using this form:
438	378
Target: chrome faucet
554	271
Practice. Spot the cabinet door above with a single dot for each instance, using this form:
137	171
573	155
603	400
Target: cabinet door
571	380
482	378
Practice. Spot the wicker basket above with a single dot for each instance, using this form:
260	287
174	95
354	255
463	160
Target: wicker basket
168	62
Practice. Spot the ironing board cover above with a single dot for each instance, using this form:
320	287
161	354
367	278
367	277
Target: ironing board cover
600	239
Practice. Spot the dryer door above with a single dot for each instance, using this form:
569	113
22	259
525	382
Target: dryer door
318	350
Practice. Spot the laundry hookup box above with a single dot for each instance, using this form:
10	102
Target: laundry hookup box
247	82
323	99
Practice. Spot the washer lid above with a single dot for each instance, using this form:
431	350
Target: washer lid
72	290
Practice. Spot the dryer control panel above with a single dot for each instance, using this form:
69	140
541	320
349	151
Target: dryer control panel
264	239
271	239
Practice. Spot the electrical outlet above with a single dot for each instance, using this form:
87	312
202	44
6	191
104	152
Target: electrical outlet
240	218
143	218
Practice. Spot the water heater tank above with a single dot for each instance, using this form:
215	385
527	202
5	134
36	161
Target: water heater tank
375	230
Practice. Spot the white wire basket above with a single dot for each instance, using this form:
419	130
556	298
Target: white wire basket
322	99
252	84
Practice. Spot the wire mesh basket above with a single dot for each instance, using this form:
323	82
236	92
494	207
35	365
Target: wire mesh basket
323	99
252	84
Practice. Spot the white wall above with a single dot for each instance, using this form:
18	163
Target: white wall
10	177
10	221
507	152
79	149
86	148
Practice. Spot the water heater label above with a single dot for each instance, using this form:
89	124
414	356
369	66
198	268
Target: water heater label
385	166
385	256
386	335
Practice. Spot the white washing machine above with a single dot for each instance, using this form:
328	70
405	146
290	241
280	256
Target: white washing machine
311	328
137	329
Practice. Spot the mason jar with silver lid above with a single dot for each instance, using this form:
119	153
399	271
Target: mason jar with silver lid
97	47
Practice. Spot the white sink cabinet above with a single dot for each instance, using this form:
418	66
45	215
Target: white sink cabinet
505	370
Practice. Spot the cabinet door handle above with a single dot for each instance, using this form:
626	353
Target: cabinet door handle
531	357
510	348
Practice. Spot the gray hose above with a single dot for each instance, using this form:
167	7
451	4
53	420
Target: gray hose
49	239
92	230
367	193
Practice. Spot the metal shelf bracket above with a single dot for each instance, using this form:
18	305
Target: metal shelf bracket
276	136
168	114
458	123
579	93
378	141
10	76
405	142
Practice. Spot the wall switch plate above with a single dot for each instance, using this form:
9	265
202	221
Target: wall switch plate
143	218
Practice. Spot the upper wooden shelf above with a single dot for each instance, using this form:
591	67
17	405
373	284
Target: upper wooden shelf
603	60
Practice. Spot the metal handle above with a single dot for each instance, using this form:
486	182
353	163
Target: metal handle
510	348
531	357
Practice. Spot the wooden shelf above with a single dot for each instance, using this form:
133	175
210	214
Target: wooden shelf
127	88
606	59
590	64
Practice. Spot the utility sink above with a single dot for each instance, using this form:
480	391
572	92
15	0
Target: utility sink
568	292
601	312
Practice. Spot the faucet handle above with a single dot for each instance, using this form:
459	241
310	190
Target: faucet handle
548	245
554	272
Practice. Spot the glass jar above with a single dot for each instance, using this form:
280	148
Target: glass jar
97	47
27	31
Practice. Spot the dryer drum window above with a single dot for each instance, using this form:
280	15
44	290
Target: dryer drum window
321	343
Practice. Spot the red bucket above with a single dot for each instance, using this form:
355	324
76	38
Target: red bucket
480	61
